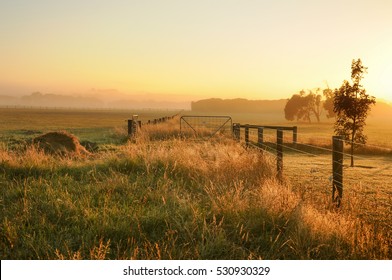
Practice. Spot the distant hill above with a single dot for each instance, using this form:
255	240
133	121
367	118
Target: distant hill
238	105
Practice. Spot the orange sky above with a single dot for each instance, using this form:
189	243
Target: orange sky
195	49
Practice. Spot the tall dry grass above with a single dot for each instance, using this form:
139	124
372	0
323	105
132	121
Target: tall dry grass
168	199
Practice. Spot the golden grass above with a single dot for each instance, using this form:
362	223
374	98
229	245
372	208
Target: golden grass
160	196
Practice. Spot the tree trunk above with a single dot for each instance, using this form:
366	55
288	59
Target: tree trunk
316	114
352	154
352	145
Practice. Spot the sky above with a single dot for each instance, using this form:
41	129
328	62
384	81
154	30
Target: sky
193	49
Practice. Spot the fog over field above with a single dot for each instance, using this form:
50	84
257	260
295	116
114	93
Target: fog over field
113	99
97	99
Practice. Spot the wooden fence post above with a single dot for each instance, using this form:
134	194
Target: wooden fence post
295	135
279	154
237	131
133	127
247	134
337	169
130	128
260	136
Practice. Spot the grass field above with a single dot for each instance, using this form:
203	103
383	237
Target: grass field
93	125
160	196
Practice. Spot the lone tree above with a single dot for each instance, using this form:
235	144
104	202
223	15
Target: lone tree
351	105
302	106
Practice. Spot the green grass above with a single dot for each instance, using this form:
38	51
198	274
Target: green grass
150	201
160	196
93	125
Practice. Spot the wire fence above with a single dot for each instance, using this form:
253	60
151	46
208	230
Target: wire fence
367	190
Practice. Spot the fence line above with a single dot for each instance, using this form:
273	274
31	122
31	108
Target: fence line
251	133
385	148
317	147
294	149
330	150
134	125
371	196
389	149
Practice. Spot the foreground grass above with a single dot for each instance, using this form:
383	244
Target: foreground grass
172	199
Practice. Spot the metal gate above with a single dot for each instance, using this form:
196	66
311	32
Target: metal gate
206	127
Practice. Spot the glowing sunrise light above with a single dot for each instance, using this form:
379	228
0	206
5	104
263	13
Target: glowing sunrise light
227	49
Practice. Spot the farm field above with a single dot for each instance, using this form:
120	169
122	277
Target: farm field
161	196
93	125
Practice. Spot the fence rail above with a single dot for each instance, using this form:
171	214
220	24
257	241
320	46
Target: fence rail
260	131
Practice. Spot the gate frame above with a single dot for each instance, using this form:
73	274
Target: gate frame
205	116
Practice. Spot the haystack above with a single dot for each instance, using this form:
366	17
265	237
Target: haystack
60	143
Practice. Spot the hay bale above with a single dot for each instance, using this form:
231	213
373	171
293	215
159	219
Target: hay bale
60	143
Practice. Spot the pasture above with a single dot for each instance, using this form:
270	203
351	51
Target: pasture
92	125
160	196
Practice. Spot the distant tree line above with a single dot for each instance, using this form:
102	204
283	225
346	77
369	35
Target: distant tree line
237	105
